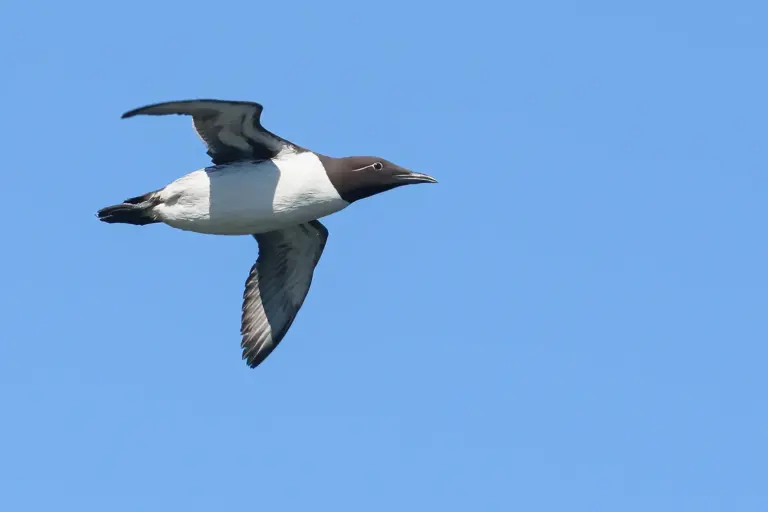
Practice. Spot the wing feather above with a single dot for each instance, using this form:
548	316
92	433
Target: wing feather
277	286
231	130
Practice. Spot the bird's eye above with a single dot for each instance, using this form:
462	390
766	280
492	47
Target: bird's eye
378	166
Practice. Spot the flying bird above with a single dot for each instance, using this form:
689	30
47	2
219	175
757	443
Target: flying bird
267	187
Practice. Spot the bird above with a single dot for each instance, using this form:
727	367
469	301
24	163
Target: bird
264	186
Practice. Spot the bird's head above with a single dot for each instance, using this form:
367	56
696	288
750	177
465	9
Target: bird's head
358	177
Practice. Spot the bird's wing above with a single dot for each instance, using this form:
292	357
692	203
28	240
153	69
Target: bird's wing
231	129
277	286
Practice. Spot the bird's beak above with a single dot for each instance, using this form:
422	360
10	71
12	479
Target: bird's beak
414	177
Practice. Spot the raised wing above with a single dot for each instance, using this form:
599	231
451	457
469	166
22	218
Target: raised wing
231	129
277	286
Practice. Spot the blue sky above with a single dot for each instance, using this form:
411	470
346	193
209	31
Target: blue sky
573	319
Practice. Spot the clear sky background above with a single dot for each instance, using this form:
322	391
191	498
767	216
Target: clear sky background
574	319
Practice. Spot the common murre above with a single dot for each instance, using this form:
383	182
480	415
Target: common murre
264	186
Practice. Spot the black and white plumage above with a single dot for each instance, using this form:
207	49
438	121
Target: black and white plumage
265	186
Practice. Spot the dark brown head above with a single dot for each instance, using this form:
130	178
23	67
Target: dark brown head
358	177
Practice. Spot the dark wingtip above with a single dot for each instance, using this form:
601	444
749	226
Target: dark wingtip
130	113
250	361
139	110
146	108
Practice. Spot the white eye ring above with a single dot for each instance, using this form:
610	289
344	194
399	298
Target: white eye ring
378	166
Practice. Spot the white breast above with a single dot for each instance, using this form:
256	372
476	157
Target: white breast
247	198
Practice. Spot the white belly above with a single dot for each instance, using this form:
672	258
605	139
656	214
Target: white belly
248	198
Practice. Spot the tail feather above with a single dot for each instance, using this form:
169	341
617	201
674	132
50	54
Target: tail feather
136	210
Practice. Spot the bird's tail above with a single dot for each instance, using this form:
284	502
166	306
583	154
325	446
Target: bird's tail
136	210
